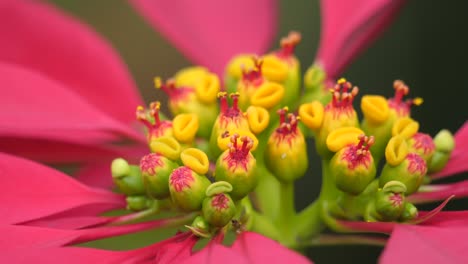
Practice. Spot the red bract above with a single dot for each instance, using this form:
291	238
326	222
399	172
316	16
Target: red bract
348	27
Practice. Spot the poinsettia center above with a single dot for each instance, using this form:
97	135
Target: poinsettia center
220	201
239	153
151	119
174	92
181	178
253	76
402	107
396	199
287	129
423	142
150	162
359	154
288	45
343	95
416	164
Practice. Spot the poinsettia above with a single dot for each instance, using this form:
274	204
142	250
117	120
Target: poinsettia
75	102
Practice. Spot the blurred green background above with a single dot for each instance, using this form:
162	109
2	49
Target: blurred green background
425	47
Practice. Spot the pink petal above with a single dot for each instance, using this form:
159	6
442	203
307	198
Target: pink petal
69	255
210	32
437	192
459	159
448	219
36	107
422	244
348	27
38	36
259	249
32	191
61	151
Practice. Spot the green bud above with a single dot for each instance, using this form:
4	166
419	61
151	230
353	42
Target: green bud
138	203
438	161
200	227
423	145
390	201
353	167
155	170
219	209
444	141
410	212
127	177
187	188
286	151
237	166
410	172
444	144
314	85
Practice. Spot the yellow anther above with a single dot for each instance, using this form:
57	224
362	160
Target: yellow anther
418	101
312	114
196	160
375	108
185	127
268	95
155	105
166	146
343	137
258	118
274	69
225	142
234	94
405	127
221	94
140	108
396	150
157	82
207	89
341	81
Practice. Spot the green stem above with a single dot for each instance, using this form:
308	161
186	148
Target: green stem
284	222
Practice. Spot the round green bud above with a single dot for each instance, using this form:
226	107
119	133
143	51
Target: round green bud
187	188
219	209
390	201
410	212
286	152
155	171
444	141
138	203
353	167
200	227
238	170
127	177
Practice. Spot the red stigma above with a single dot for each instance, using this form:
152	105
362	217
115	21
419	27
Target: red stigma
233	110
401	107
181	178
288	45
416	164
288	122
254	75
220	202
239	153
170	88
156	127
359	154
150	162
343	95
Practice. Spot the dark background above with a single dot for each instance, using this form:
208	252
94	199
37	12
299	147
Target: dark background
425	47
